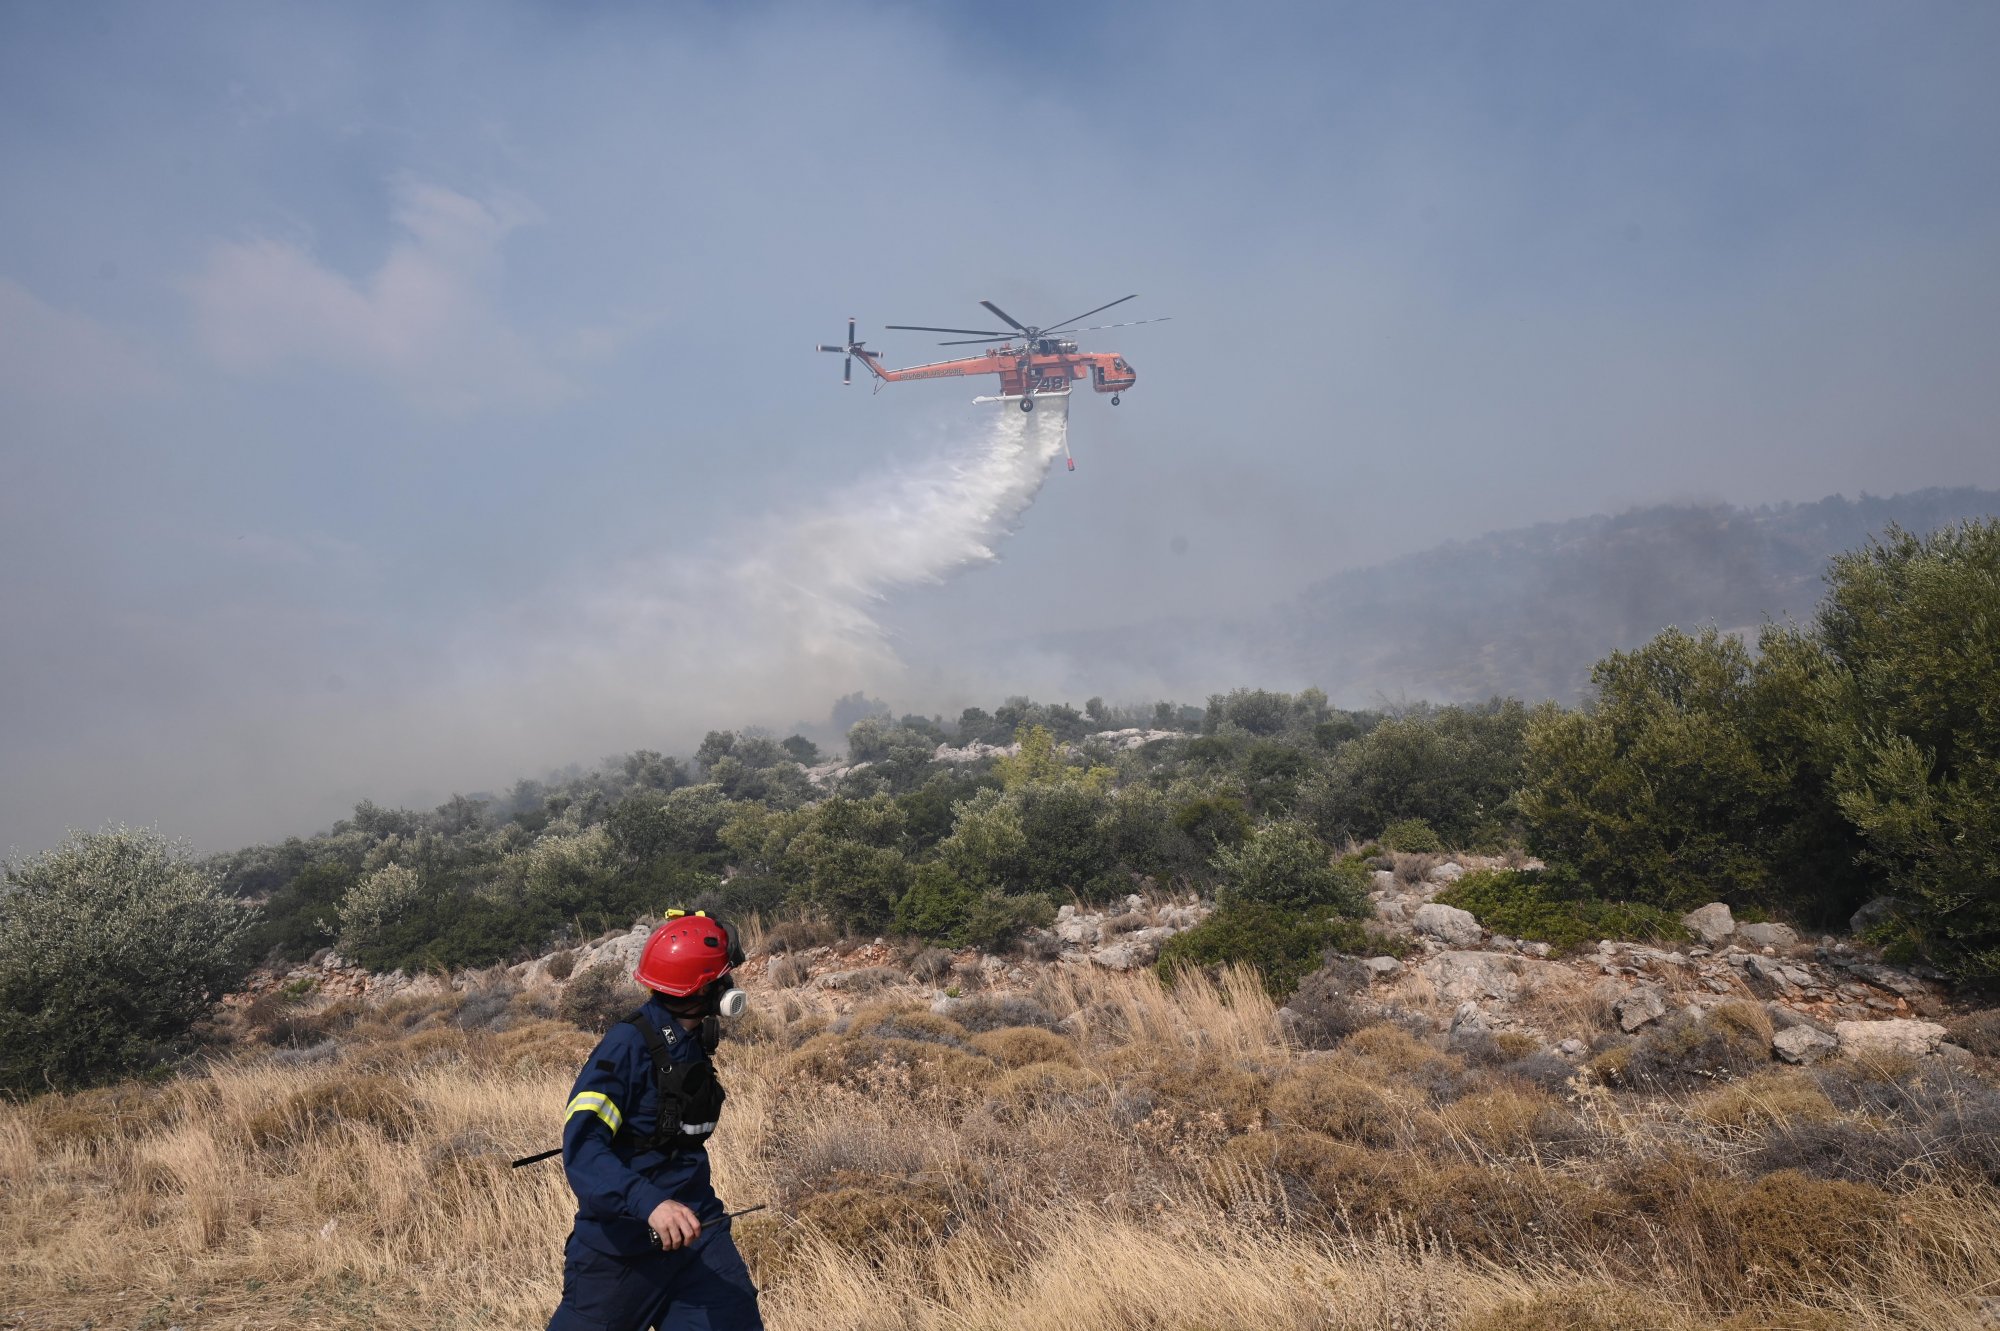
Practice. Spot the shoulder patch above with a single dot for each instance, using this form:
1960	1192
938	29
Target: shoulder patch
606	1065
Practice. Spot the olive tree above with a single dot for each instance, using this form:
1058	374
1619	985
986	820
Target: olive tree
112	946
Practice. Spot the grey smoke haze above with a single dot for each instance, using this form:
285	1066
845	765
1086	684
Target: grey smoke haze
351	362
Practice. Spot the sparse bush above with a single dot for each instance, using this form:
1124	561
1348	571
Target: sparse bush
1978	1032
1325	1098
599	997
1525	904
930	965
1018	1046
787	972
1030	1088
992	1012
1730	1040
112	946
798	934
486	1007
561	965
1323	1005
373	1101
1808	1233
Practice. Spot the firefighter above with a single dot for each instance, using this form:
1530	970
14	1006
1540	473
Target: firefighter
651	1246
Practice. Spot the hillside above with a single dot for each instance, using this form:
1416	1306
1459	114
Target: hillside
1522	612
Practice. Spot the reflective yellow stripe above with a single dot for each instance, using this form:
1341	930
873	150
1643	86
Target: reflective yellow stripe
598	1103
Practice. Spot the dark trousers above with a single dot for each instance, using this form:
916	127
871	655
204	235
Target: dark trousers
705	1287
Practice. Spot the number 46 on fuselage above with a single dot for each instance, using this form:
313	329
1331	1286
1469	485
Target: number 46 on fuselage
1031	362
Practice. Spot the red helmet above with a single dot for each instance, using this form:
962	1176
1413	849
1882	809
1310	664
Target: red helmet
687	954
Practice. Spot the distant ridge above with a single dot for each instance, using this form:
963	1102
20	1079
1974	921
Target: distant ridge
1524	612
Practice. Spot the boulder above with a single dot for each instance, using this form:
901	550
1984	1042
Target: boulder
1804	1044
1711	923
1448	872
1896	1035
1462	976
1077	930
1391	911
1642	1005
1767	935
1384	881
1382	968
1877	911
1449	923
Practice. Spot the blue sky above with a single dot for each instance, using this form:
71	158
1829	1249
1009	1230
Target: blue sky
341	348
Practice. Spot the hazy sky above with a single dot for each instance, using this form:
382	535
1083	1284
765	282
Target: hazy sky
361	367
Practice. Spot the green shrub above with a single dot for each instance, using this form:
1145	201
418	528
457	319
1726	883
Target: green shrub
1697	774
1283	946
1453	767
1214	821
1527	905
945	908
1913	626
1286	866
1412	836
112	946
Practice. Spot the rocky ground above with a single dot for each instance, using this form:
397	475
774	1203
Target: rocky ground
1825	996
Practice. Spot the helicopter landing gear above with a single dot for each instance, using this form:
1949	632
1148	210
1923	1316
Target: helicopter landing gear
1027	404
1114	399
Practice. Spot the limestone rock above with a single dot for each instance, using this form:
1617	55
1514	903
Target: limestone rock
1449	923
1765	976
1767	935
1644	1004
1897	1035
1470	1019
1382	968
1448	872
1803	1044
1385	881
1461	976
1711	923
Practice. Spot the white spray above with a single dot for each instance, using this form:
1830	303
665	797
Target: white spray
782	617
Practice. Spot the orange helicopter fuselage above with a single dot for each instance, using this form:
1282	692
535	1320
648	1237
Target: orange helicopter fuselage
1047	365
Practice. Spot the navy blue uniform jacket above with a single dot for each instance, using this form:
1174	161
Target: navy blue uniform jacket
616	1184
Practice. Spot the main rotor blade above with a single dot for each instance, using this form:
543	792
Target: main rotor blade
970	341
925	328
1130	323
824	347
1009	319
1087	313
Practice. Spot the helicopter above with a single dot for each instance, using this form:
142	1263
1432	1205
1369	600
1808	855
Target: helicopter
1031	362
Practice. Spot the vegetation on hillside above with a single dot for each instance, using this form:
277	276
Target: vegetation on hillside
1851	757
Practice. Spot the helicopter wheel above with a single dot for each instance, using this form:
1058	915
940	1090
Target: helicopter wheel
1027	404
1114	399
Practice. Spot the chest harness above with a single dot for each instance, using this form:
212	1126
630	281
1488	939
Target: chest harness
690	1097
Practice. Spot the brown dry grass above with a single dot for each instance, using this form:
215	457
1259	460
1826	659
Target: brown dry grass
1169	1163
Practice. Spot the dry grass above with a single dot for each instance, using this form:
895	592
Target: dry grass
1167	1162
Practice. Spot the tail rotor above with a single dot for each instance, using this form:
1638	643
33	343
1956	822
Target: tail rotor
850	350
